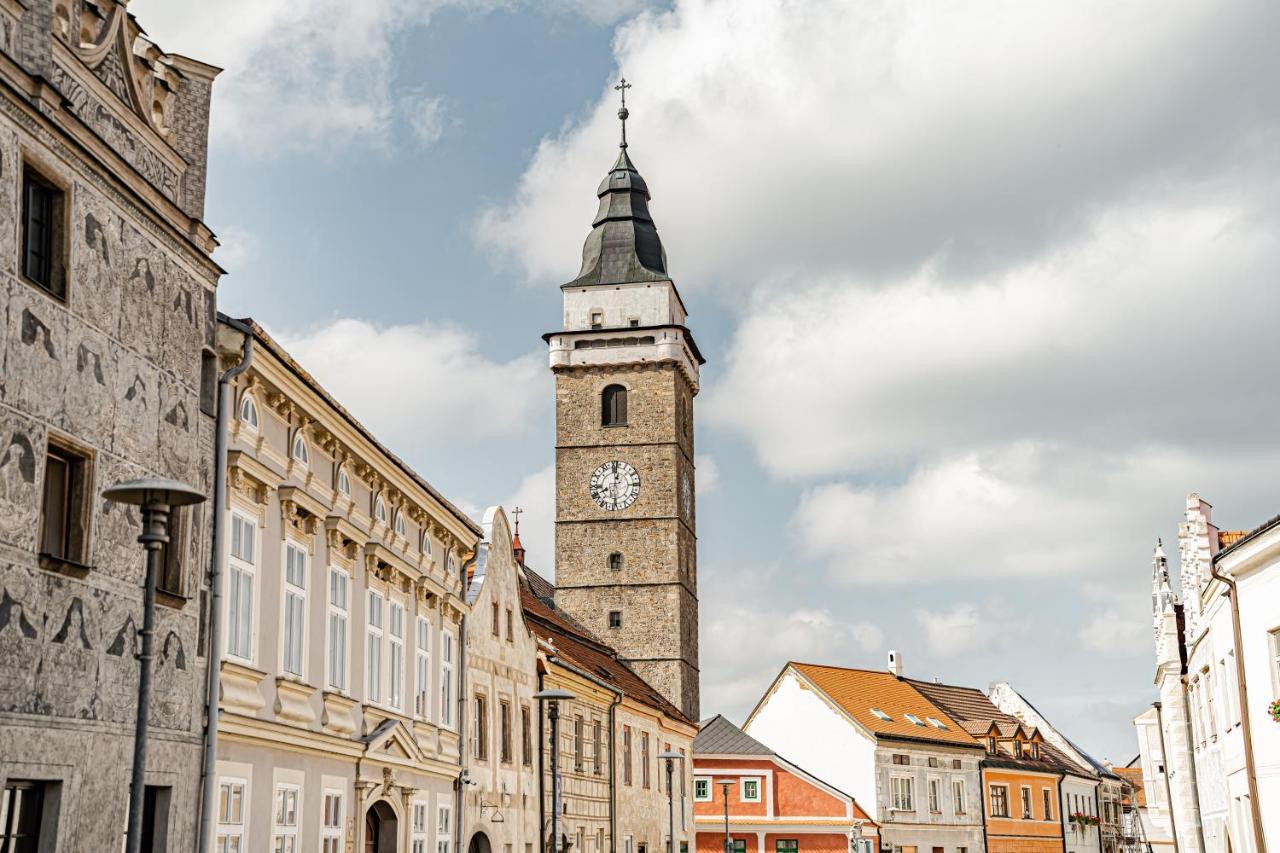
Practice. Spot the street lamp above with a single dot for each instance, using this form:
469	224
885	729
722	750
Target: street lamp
553	698
724	788
671	759
156	497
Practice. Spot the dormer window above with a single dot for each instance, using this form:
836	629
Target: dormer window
249	412
1017	749
300	452
991	745
613	406
380	509
1035	750
344	482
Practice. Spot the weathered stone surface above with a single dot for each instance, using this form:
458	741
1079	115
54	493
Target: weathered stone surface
21	467
90	405
9	182
97	261
35	353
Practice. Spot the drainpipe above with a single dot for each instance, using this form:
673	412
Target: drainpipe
460	785
1246	729
1168	789
1062	818
618	697
213	660
983	802
542	798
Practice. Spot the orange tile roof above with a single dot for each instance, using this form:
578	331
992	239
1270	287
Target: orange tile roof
857	691
1227	538
1133	775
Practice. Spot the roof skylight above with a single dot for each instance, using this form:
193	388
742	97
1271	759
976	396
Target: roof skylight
912	718
936	723
881	714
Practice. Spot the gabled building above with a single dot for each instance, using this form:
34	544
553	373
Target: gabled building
1021	777
909	764
1153	803
772	805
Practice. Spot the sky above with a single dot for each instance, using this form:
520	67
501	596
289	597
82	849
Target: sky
986	288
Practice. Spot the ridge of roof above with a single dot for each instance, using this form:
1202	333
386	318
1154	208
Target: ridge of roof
718	736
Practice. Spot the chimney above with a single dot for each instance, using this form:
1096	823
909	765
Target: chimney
895	663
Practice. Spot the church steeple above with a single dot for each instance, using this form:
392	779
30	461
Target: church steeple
623	246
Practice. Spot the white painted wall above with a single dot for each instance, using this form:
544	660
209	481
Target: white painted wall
650	303
800	726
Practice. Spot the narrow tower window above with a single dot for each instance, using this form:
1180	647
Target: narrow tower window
614	406
615	561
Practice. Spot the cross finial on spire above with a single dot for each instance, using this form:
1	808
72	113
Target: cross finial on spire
623	113
515	514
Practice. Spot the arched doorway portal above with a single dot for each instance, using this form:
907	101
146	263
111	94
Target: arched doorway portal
479	844
380	828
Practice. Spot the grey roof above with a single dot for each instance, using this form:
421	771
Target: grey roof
623	245
718	736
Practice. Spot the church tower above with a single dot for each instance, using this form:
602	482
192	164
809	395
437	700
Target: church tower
626	371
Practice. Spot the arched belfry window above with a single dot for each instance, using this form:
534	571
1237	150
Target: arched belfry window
613	406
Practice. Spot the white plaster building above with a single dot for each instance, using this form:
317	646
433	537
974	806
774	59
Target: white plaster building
874	736
1157	828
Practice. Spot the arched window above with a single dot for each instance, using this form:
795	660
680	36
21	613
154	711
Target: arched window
613	406
615	561
249	411
400	522
344	482
380	509
426	544
300	452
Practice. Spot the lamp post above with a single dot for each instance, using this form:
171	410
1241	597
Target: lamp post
724	788
553	698
671	759
157	498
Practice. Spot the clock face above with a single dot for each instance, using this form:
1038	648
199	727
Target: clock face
615	485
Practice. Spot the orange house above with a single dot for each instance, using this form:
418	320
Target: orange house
1021	774
771	805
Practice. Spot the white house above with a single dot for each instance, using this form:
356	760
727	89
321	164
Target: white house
1154	810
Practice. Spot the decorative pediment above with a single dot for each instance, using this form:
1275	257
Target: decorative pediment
343	537
249	477
392	741
388	566
300	510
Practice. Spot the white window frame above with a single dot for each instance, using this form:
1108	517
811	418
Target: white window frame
332	835
1273	637
447	699
422	669
705	781
344	482
395	653
338	661
418	824
282	832
1027	802
292	593
959	797
227	831
373	645
400	525
908	802
379	509
300	452
933	788
444	824
249	406
239	571
743	788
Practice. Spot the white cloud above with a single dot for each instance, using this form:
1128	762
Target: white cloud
708	473
427	116
1118	632
413	385
236	248
739	659
966	629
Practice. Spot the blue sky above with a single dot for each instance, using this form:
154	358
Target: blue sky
985	290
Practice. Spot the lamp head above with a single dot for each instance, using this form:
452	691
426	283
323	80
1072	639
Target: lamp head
671	756
554	694
153	491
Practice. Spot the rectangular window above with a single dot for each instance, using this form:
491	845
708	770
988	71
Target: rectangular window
615	618
419	828
65	508
493	618
331	835
373	648
597	319
644	759
444	828
171	553
701	789
577	743
935	796
480	737
1047	796
511	631
958	796
504	731
396	647
43	233
626	755
295	608
901	760
787	845
339	589
21	812
597	744
446	679
526	737
422	670
751	790
1275	658
285	821
1026	803
999	801
241	580
902	790
739	845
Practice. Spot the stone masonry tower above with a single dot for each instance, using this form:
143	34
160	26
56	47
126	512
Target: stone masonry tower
626	370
